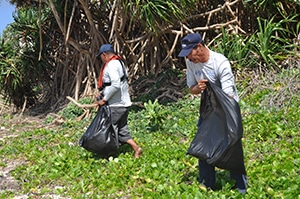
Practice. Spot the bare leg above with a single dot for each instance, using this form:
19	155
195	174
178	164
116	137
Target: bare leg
137	150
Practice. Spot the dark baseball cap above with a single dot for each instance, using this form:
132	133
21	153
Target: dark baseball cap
188	43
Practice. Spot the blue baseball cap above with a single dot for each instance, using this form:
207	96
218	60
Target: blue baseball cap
188	43
105	48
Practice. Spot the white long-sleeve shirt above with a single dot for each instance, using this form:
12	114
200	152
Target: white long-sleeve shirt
117	93
217	70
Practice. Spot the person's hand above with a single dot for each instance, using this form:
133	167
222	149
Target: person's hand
199	88
100	102
99	97
202	84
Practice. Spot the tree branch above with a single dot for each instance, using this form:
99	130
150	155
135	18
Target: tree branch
81	105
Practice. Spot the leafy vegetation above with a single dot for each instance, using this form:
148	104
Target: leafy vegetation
269	47
21	68
53	163
266	47
235	48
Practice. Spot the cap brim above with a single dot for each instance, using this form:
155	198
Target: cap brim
98	54
185	52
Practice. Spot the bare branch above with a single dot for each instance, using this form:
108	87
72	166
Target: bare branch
81	105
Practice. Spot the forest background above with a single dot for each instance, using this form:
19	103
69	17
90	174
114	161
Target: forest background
49	53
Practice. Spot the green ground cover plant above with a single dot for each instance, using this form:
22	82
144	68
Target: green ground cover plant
51	162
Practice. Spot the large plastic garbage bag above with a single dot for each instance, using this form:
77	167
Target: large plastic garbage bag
100	137
218	138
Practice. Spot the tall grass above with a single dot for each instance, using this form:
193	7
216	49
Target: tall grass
267	47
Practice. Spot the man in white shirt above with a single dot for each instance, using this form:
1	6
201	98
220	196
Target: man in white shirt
113	85
204	65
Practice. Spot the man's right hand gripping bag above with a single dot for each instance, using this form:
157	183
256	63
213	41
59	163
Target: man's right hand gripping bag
100	137
218	139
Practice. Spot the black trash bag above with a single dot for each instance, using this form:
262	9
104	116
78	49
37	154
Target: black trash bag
218	139
100	137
